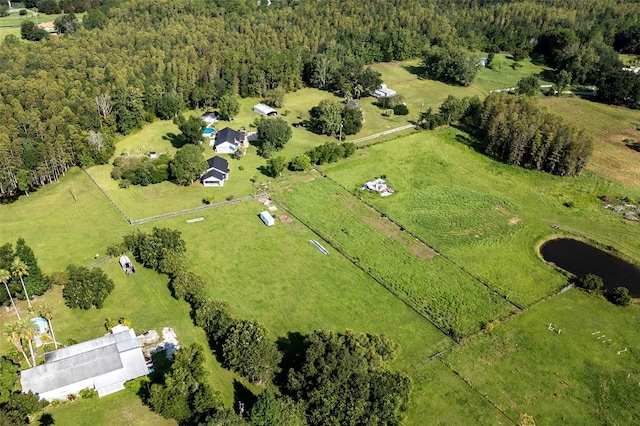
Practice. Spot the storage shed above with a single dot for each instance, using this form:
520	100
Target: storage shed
267	218
265	110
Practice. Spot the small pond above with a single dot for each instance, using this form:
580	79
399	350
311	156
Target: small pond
581	259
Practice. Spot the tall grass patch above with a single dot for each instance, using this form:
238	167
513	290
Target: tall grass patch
486	216
452	299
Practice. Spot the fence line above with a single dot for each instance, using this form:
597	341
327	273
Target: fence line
198	209
107	195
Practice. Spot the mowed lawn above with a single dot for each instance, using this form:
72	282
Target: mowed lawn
486	216
276	276
452	299
610	126
440	397
577	373
420	93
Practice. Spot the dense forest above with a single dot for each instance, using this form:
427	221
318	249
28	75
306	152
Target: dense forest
64	99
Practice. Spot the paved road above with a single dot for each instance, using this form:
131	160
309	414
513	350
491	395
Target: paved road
386	132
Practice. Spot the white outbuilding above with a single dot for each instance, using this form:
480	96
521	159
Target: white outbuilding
267	218
265	110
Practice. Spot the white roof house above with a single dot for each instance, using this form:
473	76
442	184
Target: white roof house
265	110
267	218
103	364
384	92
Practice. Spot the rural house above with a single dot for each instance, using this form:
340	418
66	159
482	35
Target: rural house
265	110
217	172
103	364
228	141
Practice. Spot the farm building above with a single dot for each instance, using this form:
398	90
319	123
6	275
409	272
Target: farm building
267	218
217	172
210	117
265	110
103	364
383	92
228	141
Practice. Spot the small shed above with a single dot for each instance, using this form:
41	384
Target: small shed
265	110
267	218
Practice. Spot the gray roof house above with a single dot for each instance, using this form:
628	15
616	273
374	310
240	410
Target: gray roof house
227	141
103	364
217	172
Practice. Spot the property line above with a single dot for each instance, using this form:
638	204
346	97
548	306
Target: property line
404	228
386	132
483	396
176	213
365	270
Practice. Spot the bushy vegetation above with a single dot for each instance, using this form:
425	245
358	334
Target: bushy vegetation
140	170
331	152
273	134
162	250
85	287
344	378
519	132
451	65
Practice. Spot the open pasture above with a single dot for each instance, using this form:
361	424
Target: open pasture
276	276
451	298
420	94
486	216
564	362
610	126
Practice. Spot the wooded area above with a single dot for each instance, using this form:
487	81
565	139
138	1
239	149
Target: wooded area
63	99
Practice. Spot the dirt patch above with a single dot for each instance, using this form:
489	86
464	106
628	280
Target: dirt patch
514	220
393	231
286	219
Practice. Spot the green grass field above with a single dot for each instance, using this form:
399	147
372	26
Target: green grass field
487	216
574	377
486	219
452	299
610	126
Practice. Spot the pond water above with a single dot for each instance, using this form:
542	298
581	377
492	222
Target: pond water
581	259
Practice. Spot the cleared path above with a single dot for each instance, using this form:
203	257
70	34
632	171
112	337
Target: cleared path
386	132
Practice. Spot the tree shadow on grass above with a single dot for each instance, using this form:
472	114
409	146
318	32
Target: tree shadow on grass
46	420
177	141
416	70
470	141
292	349
243	398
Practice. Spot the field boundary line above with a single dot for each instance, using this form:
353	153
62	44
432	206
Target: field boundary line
363	269
175	213
483	396
113	203
405	229
199	208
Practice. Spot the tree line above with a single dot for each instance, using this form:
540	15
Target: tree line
514	129
333	378
63	100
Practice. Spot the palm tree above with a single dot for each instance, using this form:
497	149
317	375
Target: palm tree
20	269
27	330
13	336
46	312
5	276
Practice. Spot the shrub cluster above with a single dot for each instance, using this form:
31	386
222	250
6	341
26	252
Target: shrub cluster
331	152
140	170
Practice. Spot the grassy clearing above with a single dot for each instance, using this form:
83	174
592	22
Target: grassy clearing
274	275
485	215
421	93
123	408
452	299
610	126
573	377
439	397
